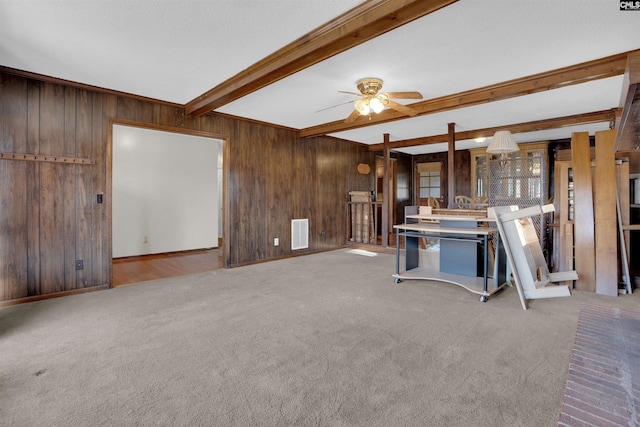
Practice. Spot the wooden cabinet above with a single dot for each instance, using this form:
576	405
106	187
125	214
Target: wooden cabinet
479	172
480	164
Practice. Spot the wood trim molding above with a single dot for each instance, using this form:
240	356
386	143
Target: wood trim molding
34	298
83	86
174	129
593	117
245	119
358	25
609	66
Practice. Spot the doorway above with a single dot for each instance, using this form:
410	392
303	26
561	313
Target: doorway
143	268
167	197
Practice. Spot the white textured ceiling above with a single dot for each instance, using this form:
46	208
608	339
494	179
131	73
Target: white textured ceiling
172	50
176	50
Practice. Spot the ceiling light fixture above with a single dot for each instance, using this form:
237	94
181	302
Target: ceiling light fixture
370	104
374	101
502	143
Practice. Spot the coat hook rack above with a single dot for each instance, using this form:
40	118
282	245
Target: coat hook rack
46	158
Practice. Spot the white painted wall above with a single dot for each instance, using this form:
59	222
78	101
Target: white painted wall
164	191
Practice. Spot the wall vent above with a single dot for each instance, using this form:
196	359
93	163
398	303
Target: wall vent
299	234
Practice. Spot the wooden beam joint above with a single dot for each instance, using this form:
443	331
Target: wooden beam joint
592	117
580	73
356	26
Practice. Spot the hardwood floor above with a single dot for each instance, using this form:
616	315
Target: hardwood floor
131	270
127	271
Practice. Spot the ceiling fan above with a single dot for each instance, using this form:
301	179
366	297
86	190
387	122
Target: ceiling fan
373	101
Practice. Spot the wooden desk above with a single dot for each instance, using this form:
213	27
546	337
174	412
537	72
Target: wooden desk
452	220
484	286
457	211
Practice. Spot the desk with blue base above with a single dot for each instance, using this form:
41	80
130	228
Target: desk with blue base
456	267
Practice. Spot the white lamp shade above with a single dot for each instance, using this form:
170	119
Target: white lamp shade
362	106
502	142
376	105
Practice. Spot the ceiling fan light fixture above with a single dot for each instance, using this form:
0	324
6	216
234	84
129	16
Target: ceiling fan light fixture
375	101
376	105
502	143
369	86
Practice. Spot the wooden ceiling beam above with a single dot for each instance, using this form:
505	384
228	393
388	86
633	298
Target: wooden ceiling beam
360	24
576	119
627	139
609	66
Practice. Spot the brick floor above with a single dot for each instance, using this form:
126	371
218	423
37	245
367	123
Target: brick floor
603	385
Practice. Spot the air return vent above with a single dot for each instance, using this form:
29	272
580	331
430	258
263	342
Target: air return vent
299	234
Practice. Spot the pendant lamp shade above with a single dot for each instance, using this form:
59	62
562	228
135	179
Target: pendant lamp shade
502	143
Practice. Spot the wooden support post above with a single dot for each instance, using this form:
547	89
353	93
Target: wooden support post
451	167
385	188
583	212
605	214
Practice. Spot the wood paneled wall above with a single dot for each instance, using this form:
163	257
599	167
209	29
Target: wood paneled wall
462	173
49	217
47	211
276	177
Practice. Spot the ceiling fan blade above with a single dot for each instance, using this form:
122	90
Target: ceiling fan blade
354	115
337	105
350	93
403	95
402	108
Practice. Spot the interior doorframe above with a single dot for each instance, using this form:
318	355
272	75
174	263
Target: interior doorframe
393	176
226	229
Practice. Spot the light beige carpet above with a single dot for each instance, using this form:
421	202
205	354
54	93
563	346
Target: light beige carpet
319	340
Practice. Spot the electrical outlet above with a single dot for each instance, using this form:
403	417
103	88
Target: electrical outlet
276	241
145	239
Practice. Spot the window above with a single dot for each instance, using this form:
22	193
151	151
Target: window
429	184
429	180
